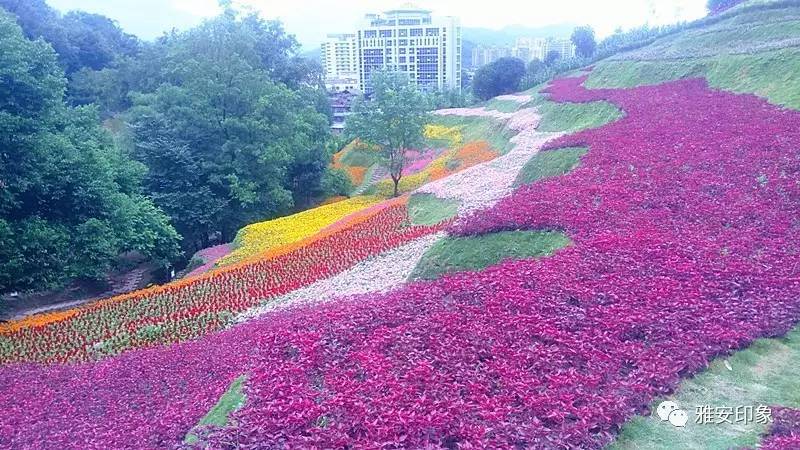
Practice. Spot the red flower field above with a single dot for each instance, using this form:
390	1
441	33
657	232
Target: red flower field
685	218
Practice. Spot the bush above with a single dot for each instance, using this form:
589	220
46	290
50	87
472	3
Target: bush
336	182
500	77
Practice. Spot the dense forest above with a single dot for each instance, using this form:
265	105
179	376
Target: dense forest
109	144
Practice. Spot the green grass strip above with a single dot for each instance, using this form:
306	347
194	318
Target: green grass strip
427	209
481	129
219	416
457	254
573	117
763	374
550	163
772	75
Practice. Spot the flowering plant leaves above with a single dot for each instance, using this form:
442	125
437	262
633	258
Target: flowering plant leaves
684	221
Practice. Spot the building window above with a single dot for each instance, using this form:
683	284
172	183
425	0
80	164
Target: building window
403	32
370	34
386	33
431	32
402	41
416	32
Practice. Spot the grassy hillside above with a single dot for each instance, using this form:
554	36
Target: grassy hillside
753	52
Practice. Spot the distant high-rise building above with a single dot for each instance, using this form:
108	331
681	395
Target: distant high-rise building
526	49
340	62
486	55
564	47
412	41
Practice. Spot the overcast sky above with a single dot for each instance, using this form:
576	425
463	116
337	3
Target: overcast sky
311	20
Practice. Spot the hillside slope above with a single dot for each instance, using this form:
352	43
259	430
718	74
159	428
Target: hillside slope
673	199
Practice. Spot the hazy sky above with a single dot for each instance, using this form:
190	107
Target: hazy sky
311	20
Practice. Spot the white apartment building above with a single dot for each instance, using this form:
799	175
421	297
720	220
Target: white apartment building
487	55
410	40
528	49
340	62
564	47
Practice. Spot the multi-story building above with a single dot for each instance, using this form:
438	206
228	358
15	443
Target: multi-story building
410	40
528	49
340	62
485	55
564	47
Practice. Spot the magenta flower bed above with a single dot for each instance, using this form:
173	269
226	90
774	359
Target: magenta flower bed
685	217
417	160
784	433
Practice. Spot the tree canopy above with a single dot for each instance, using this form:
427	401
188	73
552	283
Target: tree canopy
497	78
70	200
226	139
551	57
393	118
80	39
584	41
204	131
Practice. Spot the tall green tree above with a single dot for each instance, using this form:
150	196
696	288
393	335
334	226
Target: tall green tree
81	40
227	141
497	78
584	41
70	200
551	57
393	118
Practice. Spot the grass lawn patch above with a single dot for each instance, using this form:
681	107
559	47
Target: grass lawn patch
231	401
550	163
763	374
457	254
573	117
771	75
360	157
427	209
481	129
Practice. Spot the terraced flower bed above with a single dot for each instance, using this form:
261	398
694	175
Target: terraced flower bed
683	216
190	308
253	240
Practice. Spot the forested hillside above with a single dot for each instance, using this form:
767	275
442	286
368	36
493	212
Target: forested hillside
156	147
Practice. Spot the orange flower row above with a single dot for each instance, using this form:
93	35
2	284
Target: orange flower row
36	320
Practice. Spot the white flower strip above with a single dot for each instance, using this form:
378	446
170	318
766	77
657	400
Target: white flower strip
483	185
474	112
519	98
380	273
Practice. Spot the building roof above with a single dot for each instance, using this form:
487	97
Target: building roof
407	7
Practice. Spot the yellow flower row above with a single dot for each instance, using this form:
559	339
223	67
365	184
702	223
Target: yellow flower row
258	238
442	133
452	161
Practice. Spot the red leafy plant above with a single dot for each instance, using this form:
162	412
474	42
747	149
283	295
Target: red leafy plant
684	218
